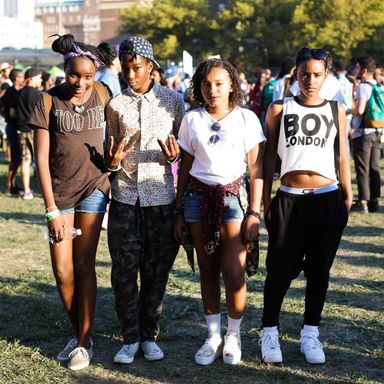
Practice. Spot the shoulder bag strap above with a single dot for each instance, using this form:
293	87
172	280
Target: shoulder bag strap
102	92
47	99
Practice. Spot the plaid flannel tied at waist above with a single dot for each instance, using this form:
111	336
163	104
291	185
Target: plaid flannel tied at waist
211	209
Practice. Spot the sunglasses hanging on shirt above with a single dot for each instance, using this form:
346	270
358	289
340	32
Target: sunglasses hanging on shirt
215	137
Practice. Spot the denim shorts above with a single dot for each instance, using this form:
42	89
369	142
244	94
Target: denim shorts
95	203
233	211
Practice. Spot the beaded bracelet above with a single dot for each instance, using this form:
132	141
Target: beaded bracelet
251	212
52	215
48	208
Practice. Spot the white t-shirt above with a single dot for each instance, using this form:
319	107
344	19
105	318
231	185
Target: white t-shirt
306	138
224	161
331	89
363	91
278	88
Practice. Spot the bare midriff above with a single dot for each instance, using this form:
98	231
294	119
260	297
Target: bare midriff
305	179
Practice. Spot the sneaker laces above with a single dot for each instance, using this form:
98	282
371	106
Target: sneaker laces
311	341
152	348
128	348
207	349
72	344
231	343
79	352
269	340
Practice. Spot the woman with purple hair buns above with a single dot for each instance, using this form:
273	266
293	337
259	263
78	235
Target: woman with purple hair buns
68	122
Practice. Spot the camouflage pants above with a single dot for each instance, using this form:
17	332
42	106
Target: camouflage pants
140	240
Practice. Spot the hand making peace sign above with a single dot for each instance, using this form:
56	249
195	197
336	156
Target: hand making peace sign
115	154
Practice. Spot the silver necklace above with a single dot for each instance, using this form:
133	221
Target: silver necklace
80	108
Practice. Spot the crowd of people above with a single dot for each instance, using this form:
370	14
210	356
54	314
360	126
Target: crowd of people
121	139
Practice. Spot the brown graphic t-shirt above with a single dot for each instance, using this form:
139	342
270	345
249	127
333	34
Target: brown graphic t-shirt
76	146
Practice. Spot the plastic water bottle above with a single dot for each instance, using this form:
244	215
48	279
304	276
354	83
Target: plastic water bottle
69	234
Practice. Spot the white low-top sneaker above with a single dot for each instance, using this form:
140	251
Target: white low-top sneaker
127	353
80	358
270	346
232	348
151	351
311	347
64	354
211	350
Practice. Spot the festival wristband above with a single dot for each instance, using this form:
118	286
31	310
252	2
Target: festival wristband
52	215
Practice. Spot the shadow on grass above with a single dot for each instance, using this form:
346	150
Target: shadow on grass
32	313
22	218
363	231
361	247
103	264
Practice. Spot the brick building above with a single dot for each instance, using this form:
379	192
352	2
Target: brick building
90	21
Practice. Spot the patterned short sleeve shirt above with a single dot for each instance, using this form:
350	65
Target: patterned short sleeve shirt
145	174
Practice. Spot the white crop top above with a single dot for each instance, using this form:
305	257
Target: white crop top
225	160
307	136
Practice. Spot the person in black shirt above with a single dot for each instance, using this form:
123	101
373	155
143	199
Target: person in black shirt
8	102
28	96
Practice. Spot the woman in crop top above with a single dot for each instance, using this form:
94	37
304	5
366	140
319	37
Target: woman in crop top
306	218
68	126
218	141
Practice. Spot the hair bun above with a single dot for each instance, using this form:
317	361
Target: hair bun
63	44
107	53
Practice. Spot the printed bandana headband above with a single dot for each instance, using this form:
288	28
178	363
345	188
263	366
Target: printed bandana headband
76	51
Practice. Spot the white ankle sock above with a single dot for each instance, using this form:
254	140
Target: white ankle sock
234	325
310	329
214	325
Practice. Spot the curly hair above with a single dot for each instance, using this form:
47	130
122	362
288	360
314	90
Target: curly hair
202	71
104	52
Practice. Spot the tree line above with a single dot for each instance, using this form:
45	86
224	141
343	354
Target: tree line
259	32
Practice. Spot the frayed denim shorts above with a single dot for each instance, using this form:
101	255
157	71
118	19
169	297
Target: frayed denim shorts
233	210
94	203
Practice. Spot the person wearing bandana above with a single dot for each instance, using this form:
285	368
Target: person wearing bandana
69	128
143	122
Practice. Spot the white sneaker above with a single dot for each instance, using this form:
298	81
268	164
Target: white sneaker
151	351
64	354
210	351
270	346
311	346
80	358
127	353
232	348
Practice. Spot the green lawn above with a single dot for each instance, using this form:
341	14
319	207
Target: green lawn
33	326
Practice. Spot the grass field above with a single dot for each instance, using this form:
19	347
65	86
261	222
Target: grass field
33	326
